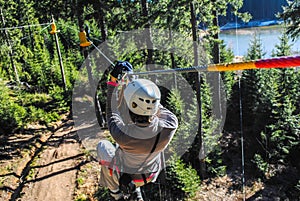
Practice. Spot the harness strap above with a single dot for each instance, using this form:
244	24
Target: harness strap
144	178
155	144
152	150
111	165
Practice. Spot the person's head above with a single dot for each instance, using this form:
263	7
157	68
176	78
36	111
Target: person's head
143	99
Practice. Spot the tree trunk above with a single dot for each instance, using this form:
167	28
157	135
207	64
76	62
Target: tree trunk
199	139
79	12
145	14
216	75
102	25
173	65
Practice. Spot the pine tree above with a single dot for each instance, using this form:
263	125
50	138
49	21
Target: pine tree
11	38
291	17
280	138
250	83
255	110
283	48
282	135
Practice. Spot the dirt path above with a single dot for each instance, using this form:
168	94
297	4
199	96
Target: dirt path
44	165
56	170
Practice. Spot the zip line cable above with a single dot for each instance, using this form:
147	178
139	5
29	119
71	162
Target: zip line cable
35	32
242	138
241	117
25	26
103	54
67	26
13	42
94	46
278	62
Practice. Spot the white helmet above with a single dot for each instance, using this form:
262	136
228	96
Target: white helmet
142	97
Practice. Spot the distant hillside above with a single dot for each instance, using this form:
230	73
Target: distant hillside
259	9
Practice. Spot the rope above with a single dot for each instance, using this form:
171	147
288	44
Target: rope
280	62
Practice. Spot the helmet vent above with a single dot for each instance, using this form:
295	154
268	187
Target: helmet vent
134	105
147	100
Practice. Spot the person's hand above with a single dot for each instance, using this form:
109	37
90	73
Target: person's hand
120	68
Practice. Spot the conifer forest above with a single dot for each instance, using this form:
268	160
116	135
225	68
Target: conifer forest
239	130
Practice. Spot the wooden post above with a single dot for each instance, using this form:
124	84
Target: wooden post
60	59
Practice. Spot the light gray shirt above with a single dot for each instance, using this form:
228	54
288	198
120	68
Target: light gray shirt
135	141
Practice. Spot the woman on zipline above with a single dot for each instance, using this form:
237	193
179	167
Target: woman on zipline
142	129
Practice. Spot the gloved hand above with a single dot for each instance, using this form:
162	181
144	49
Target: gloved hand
120	68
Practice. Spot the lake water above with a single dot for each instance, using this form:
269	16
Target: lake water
239	40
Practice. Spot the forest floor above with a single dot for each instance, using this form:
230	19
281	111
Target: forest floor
49	163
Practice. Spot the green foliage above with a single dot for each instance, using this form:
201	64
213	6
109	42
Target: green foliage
282	135
215	163
228	77
283	48
61	102
82	197
12	115
187	122
226	54
183	177
41	116
273	99
298	185
175	104
255	50
18	109
261	164
102	194
211	128
255	84
291	17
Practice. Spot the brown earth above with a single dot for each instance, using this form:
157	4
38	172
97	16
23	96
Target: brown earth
43	165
